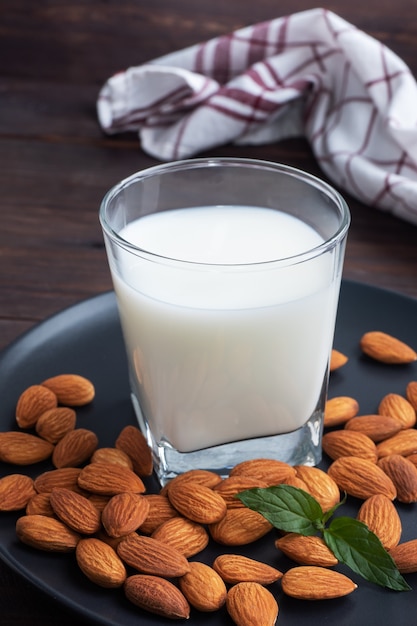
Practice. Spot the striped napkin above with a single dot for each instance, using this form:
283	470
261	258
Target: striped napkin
308	74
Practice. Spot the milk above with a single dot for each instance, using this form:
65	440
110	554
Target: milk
231	344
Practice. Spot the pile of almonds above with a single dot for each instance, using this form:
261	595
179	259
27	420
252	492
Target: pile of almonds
94	501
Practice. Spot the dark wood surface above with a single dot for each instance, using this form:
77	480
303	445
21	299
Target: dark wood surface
56	165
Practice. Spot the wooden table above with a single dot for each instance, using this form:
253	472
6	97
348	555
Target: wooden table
56	164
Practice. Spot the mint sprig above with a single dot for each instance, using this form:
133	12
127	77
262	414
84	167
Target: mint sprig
293	510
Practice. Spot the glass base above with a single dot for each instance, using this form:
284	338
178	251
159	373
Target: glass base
299	447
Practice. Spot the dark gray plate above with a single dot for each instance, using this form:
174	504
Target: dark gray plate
86	339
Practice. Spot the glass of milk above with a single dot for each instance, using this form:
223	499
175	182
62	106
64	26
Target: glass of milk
227	275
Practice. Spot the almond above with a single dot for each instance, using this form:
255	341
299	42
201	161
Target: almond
151	556
39	504
381	517
308	582
71	389
99	501
20	448
404	443
338	443
74	448
249	604
16	490
53	424
240	527
203	587
361	478
133	443
306	550
124	513
339	410
197	476
405	556
376	427
231	486
337	360
46	533
157	595
76	511
186	536
386	348
160	510
52	479
399	408
403	474
112	456
34	401
319	485
100	563
411	393
270	471
235	568
108	480
199	504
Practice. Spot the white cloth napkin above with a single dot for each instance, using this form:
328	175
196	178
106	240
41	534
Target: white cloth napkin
308	74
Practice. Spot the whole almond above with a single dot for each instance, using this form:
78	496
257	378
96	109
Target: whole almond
251	604
53	479
399	408
203	587
381	516
124	513
319	485
339	410
46	533
308	582
411	393
20	448
16	490
54	423
386	348
160	510
338	443
194	476
240	527
404	443
403	474
306	550
71	389
34	401
157	595
229	487
186	536
74	448
376	427
337	360
199	504
100	563
133	443
361	478
405	556
151	556
108	480
112	456
75	510
270	471
236	568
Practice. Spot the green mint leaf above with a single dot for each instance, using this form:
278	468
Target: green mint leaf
285	507
328	514
360	549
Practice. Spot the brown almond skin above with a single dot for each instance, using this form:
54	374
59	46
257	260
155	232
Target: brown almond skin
376	427
306	550
249	604
46	533
75	510
54	479
270	471
100	563
403	474
405	556
74	448
112	456
19	448
160	511
337	360
240	527
16	490
338	443
381	516
40	504
53	424
203	587
157	595
229	487
34	401
132	441
151	556
361	478
235	568
404	443
399	408
194	476
199	504
339	410
108	480
186	536
71	389
320	485
124	513
308	582
386	348
411	393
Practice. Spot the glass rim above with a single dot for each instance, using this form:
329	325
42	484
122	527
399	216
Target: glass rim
203	162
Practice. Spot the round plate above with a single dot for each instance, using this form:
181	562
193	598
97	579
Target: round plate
86	339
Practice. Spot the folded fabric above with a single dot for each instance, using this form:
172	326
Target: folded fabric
308	74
